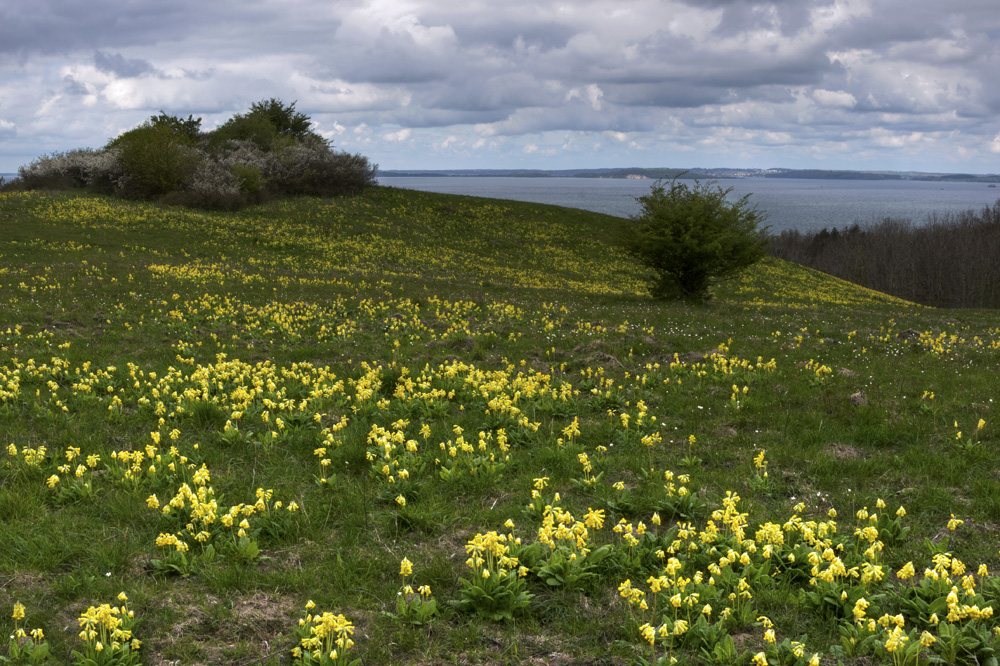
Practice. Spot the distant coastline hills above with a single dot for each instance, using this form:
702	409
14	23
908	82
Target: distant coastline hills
700	173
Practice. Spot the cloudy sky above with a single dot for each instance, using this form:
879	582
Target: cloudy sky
857	84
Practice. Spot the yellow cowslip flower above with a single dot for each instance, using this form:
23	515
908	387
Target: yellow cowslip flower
541	482
814	661
900	512
648	633
572	429
927	639
896	640
400	500
405	567
760	659
18	611
52	481
954	523
680	626
906	572
981	424
594	519
859	610
424	590
769	636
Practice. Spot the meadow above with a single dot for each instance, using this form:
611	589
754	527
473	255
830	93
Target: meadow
405	427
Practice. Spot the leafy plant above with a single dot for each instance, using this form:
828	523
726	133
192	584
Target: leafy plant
691	236
106	632
155	159
414	607
25	647
496	590
324	640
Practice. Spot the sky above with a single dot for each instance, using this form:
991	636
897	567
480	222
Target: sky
446	84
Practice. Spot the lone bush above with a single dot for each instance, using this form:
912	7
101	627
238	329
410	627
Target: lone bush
692	236
155	158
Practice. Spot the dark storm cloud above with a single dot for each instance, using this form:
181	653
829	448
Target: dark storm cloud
74	87
119	65
65	26
509	32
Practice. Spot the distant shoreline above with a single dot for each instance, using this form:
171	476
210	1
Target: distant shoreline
701	173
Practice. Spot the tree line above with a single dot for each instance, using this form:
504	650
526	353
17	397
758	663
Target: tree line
952	260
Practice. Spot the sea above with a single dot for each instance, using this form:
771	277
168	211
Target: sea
787	203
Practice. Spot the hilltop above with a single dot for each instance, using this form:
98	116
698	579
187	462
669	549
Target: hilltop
357	412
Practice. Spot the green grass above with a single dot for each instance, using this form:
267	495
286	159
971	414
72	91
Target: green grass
450	343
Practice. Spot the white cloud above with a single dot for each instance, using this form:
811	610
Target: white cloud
781	81
834	98
401	135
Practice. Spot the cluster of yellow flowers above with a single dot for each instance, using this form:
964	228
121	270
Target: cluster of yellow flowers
108	627
489	554
325	637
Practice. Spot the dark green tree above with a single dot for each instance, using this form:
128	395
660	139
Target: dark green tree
269	123
690	237
190	128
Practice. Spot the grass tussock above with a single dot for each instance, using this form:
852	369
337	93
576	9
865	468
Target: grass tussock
412	428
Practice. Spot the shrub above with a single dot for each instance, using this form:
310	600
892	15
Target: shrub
213	186
315	169
250	180
692	236
155	159
189	129
268	151
75	168
268	124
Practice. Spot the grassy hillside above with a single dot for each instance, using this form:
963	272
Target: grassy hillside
241	421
